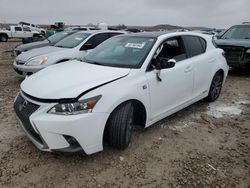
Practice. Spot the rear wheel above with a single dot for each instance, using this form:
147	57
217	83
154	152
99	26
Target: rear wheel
120	126
3	38
215	88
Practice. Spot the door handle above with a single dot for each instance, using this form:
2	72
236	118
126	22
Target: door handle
188	68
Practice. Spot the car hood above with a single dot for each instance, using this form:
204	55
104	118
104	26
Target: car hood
233	42
69	79
25	56
29	46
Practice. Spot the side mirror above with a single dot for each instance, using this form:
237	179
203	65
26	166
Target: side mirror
86	47
164	63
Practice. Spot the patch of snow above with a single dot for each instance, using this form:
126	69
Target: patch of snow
219	110
180	126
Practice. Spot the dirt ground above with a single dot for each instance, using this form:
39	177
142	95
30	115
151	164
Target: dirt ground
204	145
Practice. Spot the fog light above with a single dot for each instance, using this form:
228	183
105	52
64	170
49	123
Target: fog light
71	140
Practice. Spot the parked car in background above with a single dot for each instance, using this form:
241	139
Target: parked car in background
52	29
236	44
33	27
50	41
81	28
17	32
75	46
136	79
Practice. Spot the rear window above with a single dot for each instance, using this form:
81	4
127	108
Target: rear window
195	45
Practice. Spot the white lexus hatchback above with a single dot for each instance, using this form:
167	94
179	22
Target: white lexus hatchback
135	79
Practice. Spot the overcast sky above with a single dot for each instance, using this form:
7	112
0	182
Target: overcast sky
211	13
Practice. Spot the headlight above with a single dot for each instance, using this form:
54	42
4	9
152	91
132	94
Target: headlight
248	51
37	61
79	107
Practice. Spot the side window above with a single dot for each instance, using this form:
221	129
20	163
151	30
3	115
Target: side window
193	45
26	29
97	39
172	49
18	29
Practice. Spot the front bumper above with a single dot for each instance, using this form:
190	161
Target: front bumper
51	132
26	70
236	56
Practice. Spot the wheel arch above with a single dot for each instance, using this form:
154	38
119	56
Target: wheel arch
4	34
222	72
140	114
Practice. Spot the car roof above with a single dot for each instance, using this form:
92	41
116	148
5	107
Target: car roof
100	31
158	34
242	25
154	34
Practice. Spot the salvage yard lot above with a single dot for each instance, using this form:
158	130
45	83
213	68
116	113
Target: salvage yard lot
204	145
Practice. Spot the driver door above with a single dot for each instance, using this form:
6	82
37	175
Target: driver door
176	85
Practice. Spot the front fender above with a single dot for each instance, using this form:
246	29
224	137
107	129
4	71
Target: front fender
120	91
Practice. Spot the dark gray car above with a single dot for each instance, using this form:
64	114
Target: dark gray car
50	41
236	44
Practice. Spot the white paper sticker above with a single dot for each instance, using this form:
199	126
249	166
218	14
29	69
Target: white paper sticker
135	45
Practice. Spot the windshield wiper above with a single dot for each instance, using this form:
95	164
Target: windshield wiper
60	46
48	40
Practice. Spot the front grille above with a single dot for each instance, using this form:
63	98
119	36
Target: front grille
24	109
19	62
233	54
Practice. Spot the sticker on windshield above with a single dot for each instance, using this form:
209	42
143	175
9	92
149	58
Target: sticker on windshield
135	45
78	38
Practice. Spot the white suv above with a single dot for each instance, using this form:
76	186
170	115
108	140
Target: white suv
75	46
128	80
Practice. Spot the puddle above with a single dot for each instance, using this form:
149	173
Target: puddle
219	110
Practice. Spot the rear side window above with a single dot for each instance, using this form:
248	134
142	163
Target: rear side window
18	29
98	39
194	45
203	44
26	29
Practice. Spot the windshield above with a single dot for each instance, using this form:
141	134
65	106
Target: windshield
121	51
237	32
72	40
57	37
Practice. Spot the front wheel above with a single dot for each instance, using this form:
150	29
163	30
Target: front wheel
120	126
3	38
215	88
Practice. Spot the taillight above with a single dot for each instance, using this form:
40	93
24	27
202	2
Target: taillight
214	43
223	53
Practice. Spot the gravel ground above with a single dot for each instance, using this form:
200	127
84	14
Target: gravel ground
204	145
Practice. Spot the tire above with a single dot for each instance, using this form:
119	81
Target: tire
215	88
3	38
120	126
